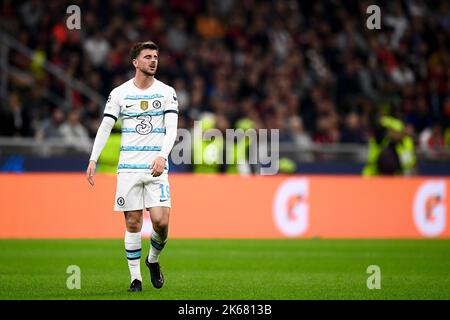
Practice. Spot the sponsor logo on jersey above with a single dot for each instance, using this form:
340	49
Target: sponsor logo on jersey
144	105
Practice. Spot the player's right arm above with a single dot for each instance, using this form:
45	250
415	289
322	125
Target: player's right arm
112	110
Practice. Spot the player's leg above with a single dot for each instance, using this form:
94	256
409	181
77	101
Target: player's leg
157	201
160	221
129	199
133	246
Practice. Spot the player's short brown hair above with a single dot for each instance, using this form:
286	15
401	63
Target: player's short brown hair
138	47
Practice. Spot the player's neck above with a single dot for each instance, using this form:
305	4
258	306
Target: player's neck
142	81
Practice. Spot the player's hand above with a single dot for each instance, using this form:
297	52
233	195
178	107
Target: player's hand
158	166
90	172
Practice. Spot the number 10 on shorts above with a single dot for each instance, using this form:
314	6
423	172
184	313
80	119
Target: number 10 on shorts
165	192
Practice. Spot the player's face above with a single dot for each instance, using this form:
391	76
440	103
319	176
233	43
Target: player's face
147	62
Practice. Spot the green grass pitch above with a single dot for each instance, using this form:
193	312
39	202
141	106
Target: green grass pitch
230	269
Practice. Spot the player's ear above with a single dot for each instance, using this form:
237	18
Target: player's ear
135	63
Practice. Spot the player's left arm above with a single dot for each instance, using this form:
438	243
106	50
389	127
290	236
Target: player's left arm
171	124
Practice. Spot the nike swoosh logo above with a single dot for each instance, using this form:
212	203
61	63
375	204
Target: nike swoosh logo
163	200
129	105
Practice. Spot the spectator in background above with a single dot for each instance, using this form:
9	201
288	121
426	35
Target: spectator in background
420	117
402	75
327	123
391	150
349	82
36	105
97	48
90	118
177	37
431	141
14	119
31	12
327	129
75	134
51	127
301	138
350	38
353	131
209	24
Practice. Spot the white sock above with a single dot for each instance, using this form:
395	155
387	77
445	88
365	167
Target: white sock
133	250
156	246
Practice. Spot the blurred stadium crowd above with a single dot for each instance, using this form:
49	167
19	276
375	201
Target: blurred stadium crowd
310	68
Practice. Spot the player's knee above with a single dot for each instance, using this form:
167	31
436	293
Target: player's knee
133	225
162	224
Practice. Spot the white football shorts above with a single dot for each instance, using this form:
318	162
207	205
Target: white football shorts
136	191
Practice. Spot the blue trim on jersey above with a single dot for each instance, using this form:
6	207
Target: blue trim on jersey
133	130
137	114
133	166
143	96
137	166
140	148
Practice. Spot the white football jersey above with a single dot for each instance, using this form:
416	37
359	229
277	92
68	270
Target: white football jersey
142	114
